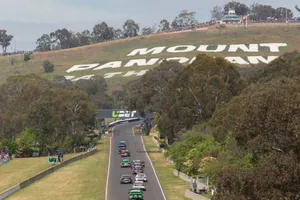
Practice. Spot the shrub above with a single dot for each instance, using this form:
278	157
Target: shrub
48	66
162	145
11	145
26	142
27	57
86	141
68	144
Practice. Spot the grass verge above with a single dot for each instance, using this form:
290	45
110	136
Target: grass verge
174	188
82	180
20	169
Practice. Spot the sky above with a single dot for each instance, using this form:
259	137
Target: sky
27	20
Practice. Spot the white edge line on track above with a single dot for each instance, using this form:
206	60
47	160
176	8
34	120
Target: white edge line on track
109	161
162	191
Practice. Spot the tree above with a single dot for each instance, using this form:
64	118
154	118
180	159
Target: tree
59	113
101	32
196	92
297	8
84	38
5	40
184	19
164	25
92	86
118	34
282	13
44	43
26	141
130	28
64	38
61	82
147	31
264	125
261	12
146	94
240	9
217	13
16	95
48	66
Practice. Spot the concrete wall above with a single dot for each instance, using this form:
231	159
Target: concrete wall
192	195
31	180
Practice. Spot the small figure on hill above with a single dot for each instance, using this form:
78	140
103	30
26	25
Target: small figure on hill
60	156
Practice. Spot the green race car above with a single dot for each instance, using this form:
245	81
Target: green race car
135	194
125	163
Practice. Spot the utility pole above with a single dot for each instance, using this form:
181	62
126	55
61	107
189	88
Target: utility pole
286	21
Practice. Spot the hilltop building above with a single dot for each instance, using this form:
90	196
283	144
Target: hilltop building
231	17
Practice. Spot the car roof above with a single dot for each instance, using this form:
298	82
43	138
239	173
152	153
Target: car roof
135	191
141	174
138	182
125	175
122	142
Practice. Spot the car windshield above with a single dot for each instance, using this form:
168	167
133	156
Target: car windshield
141	175
138	184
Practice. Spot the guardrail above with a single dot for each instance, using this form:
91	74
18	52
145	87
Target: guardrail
44	173
112	124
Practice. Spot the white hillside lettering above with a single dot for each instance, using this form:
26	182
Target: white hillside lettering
141	62
145	51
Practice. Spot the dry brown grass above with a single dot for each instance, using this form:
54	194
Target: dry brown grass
118	50
20	169
82	180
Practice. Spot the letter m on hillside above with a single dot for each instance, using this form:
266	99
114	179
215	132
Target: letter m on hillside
145	51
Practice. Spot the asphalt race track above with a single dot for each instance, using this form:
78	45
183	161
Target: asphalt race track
117	191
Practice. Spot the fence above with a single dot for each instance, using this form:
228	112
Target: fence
31	180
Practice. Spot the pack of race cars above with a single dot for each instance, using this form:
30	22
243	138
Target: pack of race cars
137	167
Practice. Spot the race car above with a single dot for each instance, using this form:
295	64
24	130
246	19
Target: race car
135	194
139	185
137	169
125	163
121	149
142	163
126	179
125	153
141	177
122	144
137	165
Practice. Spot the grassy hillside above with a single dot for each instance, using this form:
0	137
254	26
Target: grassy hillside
118	51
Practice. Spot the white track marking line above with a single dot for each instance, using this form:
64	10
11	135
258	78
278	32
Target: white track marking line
153	169
109	161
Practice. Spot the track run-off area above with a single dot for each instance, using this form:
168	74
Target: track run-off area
135	145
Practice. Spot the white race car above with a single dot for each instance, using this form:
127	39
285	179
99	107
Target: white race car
141	177
139	185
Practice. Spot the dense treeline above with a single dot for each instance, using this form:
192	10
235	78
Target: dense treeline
63	38
256	11
37	115
243	134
